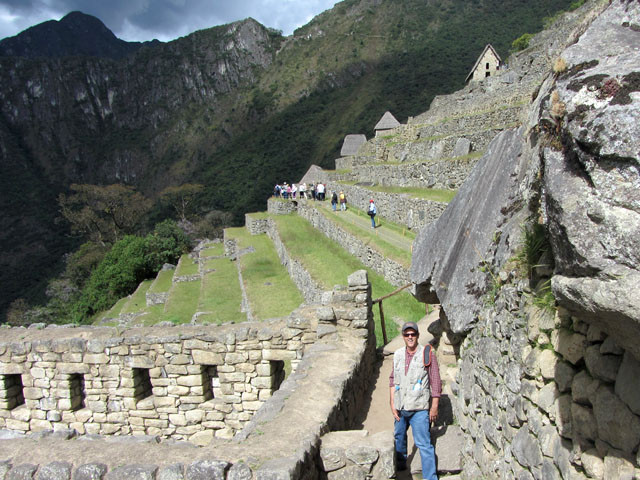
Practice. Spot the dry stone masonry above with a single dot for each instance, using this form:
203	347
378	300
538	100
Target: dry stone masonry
330	347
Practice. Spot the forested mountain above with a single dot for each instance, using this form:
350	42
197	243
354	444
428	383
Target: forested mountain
236	107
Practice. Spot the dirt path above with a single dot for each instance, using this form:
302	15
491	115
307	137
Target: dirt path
381	230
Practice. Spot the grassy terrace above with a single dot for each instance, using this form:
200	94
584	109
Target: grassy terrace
213	250
220	293
329	264
270	290
162	283
137	301
369	237
186	266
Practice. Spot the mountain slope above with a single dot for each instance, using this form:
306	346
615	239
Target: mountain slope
235	107
75	34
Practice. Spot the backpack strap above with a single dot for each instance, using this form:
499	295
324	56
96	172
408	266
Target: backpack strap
426	359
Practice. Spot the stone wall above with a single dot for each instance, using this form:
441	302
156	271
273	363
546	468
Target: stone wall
283	439
399	208
448	174
546	396
280	206
392	271
356	455
255	225
310	289
194	383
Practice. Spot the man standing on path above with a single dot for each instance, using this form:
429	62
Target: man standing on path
372	212
413	383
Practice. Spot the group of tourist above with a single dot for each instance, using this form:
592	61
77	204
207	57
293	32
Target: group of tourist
313	191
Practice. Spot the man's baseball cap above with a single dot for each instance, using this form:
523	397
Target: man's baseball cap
410	326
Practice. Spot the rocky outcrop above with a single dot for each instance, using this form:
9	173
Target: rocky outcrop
592	186
544	394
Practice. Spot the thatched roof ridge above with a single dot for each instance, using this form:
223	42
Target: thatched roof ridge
387	122
315	174
489	46
352	144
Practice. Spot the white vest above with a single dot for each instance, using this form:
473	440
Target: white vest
412	390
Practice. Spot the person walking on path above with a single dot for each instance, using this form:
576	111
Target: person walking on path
343	201
373	211
415	383
334	201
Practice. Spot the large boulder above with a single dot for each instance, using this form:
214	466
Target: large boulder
592	185
451	255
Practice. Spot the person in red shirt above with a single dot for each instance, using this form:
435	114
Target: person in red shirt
414	394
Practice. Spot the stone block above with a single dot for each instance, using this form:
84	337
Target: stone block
190	380
128	472
626	382
55	471
548	361
233	358
603	367
583	422
584	387
617	425
203	357
171	472
592	463
12	424
570	345
239	471
90	471
206	470
24	471
95	358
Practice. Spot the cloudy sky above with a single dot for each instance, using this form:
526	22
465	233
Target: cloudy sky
139	20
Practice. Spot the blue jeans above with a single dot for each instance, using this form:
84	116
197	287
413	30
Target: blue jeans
373	221
418	420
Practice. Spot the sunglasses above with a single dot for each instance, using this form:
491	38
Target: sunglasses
409	334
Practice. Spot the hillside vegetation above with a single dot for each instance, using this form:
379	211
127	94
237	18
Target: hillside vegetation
235	108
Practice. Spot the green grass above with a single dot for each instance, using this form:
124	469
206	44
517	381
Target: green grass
369	237
220	293
433	194
183	301
329	264
186	266
259	215
213	250
270	290
138	301
115	310
383	222
162	282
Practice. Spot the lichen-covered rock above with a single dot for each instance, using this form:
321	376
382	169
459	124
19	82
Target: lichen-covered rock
592	186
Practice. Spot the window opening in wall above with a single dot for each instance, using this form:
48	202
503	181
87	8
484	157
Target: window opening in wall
487	65
277	374
211	381
77	391
11	391
142	387
488	74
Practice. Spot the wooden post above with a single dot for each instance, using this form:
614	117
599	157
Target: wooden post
384	330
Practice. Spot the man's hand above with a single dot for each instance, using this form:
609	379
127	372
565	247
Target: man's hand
396	415
433	411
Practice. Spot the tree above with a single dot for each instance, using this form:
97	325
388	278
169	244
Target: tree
104	213
182	197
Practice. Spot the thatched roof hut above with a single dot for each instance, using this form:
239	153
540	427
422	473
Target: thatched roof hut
352	144
386	123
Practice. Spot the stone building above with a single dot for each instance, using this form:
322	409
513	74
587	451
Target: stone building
487	65
352	144
387	122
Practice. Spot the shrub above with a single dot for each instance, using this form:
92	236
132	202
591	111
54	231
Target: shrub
559	65
117	275
576	5
165	245
129	261
521	42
